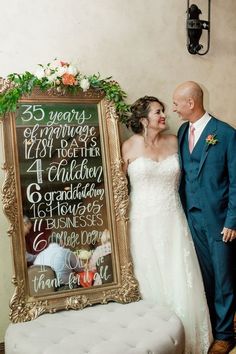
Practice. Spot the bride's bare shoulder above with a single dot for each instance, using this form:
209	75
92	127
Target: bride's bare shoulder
132	143
129	149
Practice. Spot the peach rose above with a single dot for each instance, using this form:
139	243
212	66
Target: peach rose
68	79
209	137
64	63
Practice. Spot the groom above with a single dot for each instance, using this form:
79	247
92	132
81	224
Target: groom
208	192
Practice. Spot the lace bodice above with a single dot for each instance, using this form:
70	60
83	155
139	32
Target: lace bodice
154	185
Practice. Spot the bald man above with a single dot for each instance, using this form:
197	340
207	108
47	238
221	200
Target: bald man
208	192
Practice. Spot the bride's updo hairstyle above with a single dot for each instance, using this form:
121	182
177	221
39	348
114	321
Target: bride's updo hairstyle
139	110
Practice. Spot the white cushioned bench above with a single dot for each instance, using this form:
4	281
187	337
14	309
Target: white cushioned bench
135	328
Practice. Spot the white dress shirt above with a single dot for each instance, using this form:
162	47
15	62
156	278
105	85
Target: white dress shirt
199	126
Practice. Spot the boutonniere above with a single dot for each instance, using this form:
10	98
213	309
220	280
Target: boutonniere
211	139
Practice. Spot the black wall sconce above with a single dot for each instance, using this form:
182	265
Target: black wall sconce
195	27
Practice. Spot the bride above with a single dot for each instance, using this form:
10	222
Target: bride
164	258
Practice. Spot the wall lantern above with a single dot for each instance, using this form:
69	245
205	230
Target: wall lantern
195	27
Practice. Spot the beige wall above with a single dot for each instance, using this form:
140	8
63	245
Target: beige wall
141	43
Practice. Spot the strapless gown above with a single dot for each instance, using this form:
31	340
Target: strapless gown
164	257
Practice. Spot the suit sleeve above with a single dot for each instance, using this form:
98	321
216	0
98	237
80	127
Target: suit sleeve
230	221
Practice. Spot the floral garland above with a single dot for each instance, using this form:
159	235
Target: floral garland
62	77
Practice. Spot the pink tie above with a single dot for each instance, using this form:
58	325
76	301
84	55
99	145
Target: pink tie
191	138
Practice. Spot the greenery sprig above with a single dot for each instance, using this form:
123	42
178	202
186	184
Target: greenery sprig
63	77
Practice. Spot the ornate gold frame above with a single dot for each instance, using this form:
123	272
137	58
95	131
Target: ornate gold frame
124	289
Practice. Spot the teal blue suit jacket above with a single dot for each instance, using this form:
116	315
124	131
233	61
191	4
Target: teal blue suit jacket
216	176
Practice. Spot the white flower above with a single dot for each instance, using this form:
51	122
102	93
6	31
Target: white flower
71	70
84	84
52	78
40	73
55	64
61	70
47	72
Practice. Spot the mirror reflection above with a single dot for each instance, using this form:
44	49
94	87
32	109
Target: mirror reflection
66	224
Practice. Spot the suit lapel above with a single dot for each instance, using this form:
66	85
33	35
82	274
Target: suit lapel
182	131
210	128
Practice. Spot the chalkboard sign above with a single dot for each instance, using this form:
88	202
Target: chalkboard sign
66	197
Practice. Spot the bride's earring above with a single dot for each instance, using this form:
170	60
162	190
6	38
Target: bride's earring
145	134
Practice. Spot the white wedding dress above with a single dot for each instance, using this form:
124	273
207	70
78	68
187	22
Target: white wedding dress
165	262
